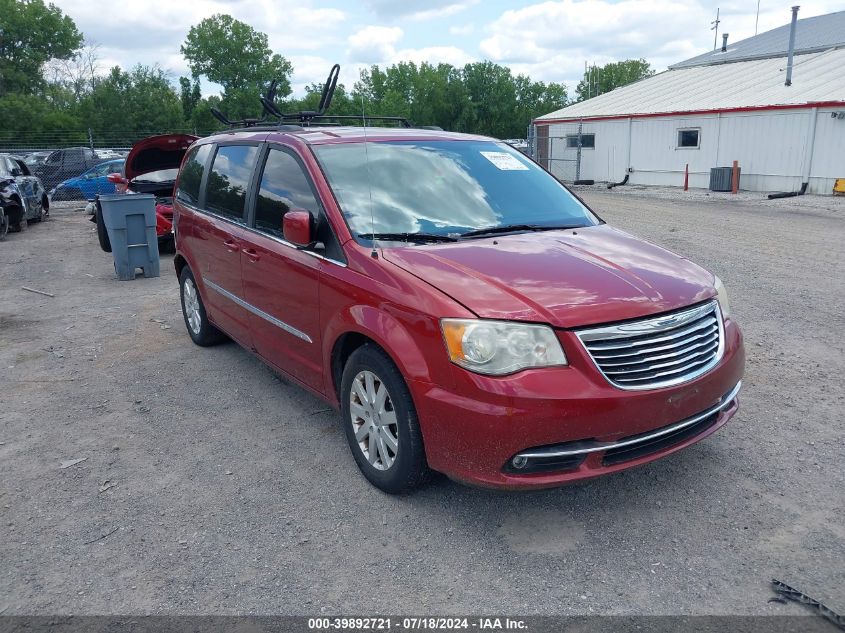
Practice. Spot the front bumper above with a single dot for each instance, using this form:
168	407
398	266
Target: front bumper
473	431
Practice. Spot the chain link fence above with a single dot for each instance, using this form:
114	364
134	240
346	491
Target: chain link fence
561	155
78	156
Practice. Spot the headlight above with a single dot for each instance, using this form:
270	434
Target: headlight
500	347
722	296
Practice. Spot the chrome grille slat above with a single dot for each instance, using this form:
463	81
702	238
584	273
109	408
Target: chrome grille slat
647	358
680	370
630	344
658	351
607	354
638	368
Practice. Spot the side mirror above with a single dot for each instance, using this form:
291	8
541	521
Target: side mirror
296	226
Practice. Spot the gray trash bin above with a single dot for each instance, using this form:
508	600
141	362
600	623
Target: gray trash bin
130	220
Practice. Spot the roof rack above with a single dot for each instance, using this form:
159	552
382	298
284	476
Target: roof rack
306	118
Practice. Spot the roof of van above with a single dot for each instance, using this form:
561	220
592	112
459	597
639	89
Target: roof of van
320	135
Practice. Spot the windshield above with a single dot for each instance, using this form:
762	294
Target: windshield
444	188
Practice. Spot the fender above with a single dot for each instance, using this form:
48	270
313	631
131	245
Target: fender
403	340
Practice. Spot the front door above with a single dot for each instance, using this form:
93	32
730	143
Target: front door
282	282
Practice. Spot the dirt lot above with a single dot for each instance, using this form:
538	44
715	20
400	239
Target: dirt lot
234	492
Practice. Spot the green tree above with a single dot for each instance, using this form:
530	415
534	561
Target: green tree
189	95
126	106
598	80
30	120
31	34
482	97
236	56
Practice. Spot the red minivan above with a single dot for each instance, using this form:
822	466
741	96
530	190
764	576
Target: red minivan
464	311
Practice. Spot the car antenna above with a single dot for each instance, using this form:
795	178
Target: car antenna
374	252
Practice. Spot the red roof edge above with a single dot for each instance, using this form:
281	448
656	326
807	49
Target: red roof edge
791	106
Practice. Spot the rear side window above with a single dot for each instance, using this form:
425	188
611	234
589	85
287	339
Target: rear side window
228	180
191	175
283	187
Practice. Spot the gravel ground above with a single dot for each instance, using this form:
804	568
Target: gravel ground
211	486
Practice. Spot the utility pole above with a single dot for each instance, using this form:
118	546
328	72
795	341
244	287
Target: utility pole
715	27
757	19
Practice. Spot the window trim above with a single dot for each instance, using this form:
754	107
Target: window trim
575	136
255	186
678	132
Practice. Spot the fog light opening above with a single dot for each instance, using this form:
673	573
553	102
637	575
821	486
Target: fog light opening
519	462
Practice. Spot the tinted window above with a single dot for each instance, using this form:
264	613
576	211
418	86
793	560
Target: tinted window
284	186
191	175
4	167
228	180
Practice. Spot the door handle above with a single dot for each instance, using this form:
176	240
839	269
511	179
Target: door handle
231	245
252	254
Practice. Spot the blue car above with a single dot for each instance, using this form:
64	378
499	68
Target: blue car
88	184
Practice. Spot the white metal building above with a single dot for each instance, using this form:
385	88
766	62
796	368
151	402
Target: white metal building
729	104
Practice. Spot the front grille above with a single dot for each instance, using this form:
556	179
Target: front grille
659	351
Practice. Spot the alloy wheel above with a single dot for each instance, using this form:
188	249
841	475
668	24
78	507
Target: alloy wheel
374	420
192	306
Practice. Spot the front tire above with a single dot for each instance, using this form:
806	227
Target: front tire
200	329
381	422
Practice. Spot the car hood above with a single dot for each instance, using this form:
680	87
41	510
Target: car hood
566	278
157	153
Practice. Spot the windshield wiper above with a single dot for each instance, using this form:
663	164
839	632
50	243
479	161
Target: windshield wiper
427	238
514	228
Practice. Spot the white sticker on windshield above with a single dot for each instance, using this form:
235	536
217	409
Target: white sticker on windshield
504	161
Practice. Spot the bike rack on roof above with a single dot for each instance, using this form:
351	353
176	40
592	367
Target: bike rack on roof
305	118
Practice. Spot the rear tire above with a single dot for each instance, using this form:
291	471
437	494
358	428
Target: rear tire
381	422
14	216
200	329
102	233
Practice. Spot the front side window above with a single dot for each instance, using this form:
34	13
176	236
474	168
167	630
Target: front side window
445	188
188	189
588	141
228	180
690	139
283	187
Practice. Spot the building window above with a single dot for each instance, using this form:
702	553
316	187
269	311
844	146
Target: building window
588	141
689	138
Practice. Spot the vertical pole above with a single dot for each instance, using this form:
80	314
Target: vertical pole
578	157
792	26
686	178
90	139
716	28
735	177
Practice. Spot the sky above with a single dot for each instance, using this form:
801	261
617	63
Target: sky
548	41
